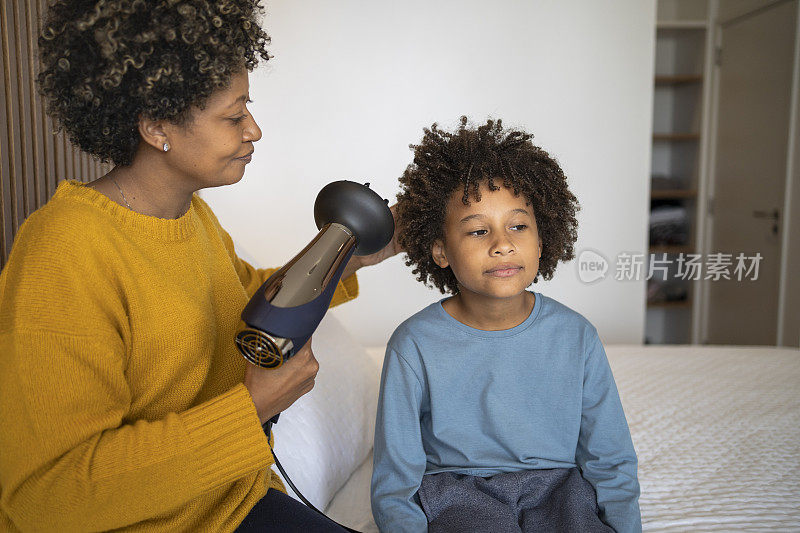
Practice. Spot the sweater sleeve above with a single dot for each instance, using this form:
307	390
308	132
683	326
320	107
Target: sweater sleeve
71	461
605	452
399	457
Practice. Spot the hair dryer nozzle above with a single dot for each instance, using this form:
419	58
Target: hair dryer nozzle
359	209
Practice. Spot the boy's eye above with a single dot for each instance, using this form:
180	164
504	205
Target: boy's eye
477	232
519	227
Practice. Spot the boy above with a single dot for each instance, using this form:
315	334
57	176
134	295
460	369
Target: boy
498	410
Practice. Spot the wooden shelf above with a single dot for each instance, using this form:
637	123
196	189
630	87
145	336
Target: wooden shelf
682	75
679	79
670	249
680	304
681	25
676	136
672	194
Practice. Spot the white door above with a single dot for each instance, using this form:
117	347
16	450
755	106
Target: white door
752	128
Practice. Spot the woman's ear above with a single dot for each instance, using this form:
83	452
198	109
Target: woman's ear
437	251
154	133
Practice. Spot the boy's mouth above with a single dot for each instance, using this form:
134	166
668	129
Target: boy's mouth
504	270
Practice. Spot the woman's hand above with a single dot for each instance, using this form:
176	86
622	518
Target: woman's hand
388	251
274	390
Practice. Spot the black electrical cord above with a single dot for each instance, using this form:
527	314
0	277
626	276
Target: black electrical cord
267	429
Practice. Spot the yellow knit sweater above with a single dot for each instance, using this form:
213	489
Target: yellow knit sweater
121	396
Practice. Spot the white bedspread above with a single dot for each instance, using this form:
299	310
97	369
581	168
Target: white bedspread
717	431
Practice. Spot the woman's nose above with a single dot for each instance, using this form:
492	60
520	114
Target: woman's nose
252	132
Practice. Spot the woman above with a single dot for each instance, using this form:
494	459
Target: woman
123	400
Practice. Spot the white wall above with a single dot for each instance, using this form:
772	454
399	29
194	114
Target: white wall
354	82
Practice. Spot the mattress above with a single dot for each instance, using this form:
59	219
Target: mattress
717	433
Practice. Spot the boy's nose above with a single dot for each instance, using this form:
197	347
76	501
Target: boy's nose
502	247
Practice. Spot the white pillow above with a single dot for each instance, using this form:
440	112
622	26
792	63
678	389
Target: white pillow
325	435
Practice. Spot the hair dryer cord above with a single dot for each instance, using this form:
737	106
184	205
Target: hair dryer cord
267	429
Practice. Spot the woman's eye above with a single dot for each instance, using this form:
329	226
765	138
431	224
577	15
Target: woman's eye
239	119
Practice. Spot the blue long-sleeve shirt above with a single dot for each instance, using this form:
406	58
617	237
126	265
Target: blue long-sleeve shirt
539	395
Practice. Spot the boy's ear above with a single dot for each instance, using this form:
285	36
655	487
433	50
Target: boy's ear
439	257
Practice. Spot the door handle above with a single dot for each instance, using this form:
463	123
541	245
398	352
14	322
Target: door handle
774	215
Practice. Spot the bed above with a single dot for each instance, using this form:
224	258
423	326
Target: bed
717	432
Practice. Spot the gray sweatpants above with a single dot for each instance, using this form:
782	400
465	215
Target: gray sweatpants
557	500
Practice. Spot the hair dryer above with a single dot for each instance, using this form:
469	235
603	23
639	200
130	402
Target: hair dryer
289	306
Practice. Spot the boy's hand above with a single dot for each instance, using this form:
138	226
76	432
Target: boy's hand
391	249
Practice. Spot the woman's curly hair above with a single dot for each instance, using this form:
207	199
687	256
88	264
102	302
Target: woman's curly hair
106	63
461	161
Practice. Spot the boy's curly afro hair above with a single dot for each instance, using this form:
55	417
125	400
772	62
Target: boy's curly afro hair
461	161
106	63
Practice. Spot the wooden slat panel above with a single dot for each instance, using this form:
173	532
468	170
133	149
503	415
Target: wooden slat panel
66	163
80	163
22	121
49	155
60	168
84	167
47	127
73	158
34	107
33	158
10	78
5	160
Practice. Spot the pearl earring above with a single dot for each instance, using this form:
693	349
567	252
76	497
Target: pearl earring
166	147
